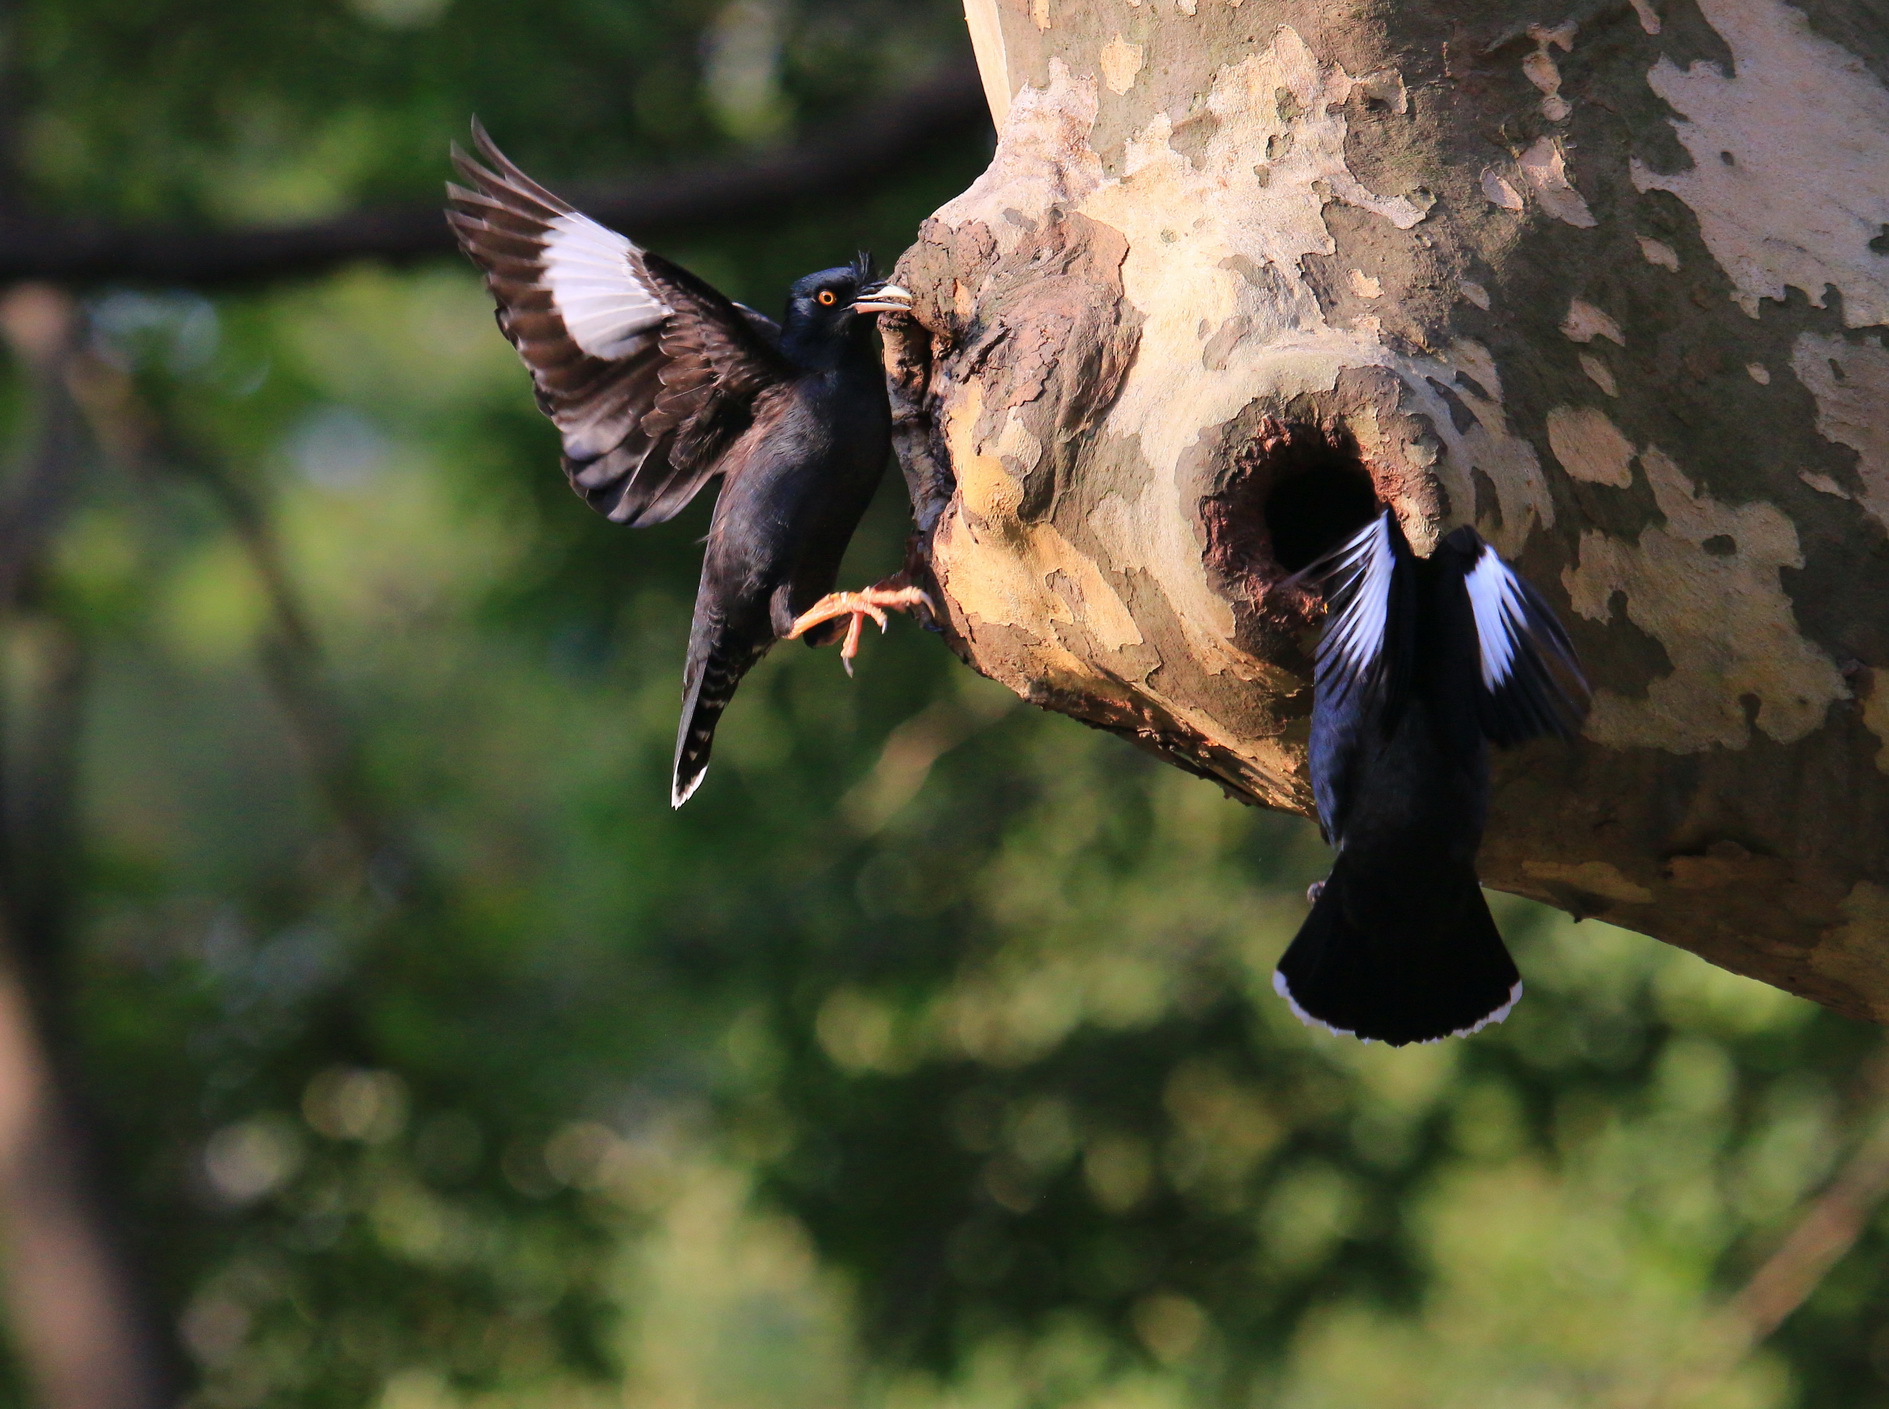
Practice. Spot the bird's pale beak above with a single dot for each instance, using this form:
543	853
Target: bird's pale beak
884	298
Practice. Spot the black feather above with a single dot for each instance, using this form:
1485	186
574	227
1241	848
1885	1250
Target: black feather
1408	964
1423	663
659	384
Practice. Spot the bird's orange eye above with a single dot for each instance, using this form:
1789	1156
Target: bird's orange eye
826	297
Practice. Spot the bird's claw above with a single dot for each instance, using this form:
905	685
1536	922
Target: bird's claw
871	602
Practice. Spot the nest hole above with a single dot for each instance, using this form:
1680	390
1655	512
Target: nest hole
1321	497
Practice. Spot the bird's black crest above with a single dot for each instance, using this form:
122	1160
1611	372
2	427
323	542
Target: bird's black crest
865	272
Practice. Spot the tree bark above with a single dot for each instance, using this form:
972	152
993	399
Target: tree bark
1607	280
77	1314
86	1330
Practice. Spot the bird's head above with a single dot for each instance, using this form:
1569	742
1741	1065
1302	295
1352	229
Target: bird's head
825	310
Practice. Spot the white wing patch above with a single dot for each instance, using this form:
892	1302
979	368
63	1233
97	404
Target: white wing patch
1501	614
595	288
1366	562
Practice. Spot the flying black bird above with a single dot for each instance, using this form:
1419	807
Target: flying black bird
1424	662
660	384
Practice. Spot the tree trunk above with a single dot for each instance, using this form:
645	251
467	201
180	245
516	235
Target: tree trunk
1607	281
80	1318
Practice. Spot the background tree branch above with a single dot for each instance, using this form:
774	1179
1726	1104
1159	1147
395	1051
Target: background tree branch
850	156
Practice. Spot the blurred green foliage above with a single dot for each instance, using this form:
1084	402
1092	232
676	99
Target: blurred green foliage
927	1059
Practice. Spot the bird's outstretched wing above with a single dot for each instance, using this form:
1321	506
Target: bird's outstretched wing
1369	601
648	373
1364	662
1531	680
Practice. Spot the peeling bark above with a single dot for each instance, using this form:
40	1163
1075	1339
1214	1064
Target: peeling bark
1608	281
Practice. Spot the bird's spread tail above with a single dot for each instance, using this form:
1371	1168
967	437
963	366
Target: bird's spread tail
1387	969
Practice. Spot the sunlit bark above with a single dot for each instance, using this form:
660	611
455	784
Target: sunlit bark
1607	281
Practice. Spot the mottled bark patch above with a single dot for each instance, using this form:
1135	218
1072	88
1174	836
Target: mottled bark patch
1705	584
1788	189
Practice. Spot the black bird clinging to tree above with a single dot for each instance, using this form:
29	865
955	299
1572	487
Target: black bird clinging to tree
660	384
1424	662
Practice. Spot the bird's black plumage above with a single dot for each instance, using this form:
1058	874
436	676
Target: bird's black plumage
1423	663
659	384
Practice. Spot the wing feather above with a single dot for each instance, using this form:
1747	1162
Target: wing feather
1362	674
1531	683
1362	647
649	374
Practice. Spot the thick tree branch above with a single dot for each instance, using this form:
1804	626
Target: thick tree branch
1236	277
851	156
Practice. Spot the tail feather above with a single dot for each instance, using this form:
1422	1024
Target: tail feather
1375	963
707	696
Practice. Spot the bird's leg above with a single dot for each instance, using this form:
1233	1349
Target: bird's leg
894	594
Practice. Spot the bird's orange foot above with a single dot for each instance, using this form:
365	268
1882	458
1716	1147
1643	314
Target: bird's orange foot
874	602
